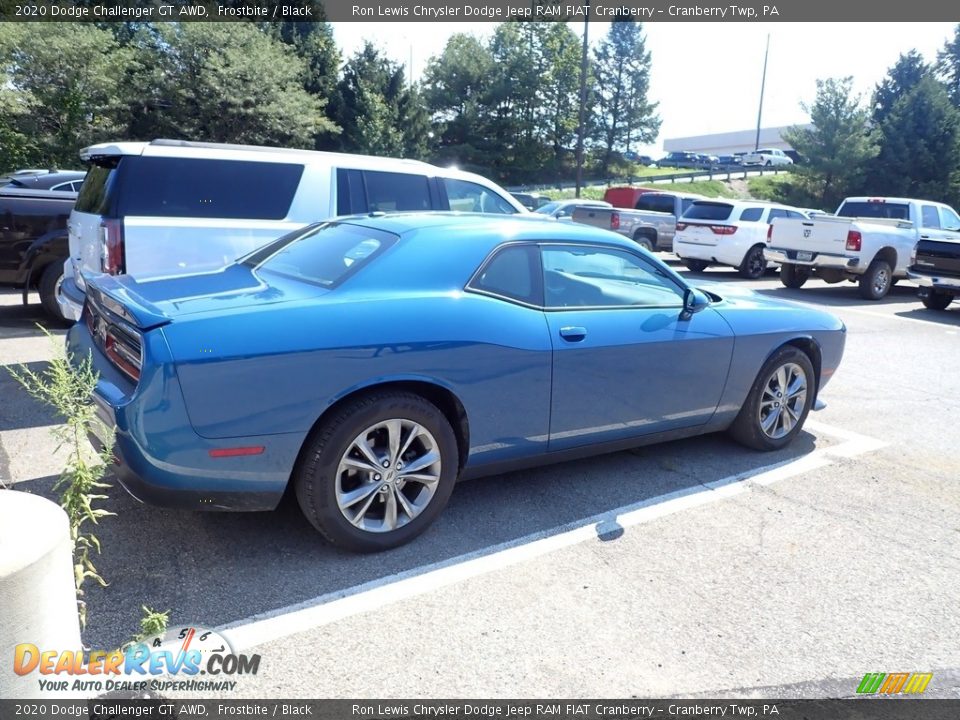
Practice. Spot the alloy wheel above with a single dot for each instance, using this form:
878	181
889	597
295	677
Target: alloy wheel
783	400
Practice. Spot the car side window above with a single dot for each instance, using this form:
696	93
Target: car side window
794	215
466	196
751	214
949	219
579	276
776	213
929	217
511	272
390	192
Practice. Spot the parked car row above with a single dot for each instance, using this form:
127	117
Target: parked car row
211	282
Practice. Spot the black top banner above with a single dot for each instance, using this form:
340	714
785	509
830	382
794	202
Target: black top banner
475	11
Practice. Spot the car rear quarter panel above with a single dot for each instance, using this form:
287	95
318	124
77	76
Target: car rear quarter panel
492	355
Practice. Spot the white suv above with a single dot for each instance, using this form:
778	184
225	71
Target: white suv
171	207
728	232
767	157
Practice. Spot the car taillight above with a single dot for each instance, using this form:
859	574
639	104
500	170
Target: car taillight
615	221
723	229
853	240
111	246
681	226
769	232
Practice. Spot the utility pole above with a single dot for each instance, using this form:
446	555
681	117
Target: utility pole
583	100
763	83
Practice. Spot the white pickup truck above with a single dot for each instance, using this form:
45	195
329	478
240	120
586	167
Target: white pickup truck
868	241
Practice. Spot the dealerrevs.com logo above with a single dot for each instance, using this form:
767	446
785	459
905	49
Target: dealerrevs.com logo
186	659
894	683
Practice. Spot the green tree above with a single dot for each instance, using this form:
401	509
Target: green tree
836	149
223	82
456	90
623	112
948	66
920	146
63	90
906	73
378	112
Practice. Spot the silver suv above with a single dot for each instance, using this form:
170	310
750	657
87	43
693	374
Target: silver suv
170	207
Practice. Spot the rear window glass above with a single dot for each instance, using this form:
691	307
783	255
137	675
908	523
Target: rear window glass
96	190
890	211
324	254
751	214
655	203
202	188
708	211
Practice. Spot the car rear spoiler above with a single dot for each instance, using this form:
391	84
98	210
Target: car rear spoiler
115	297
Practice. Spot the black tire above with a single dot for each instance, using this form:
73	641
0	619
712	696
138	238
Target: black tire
50	280
754	265
644	241
695	265
936	300
793	276
875	283
316	480
747	429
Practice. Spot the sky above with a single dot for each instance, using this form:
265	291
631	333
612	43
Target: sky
706	76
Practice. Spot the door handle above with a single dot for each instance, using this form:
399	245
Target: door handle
572	333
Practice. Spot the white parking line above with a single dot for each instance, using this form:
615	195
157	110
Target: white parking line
340	604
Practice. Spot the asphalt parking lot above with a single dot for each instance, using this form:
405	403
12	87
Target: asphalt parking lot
693	568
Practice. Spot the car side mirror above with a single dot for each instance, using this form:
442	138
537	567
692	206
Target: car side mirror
694	301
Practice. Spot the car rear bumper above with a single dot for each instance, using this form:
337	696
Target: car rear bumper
718	252
935	282
70	298
817	260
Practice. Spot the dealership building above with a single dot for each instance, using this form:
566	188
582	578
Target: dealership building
731	142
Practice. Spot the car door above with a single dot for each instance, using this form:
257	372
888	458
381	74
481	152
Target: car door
624	362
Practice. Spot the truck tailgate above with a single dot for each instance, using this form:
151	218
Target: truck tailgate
598	217
822	235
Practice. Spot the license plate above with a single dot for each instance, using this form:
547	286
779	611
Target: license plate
801	255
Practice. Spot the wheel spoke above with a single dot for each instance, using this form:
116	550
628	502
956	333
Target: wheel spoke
357	519
361	464
422	478
349	499
770	421
786	420
781	379
390	510
422	462
363	446
404	503
797	386
394	431
415	430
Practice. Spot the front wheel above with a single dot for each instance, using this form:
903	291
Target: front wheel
793	276
936	300
875	283
379	472
779	401
695	265
754	265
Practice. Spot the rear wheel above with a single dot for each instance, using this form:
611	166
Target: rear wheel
50	281
378	472
937	300
643	241
778	403
754	264
793	276
875	283
695	265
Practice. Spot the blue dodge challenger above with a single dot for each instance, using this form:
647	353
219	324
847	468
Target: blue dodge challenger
372	361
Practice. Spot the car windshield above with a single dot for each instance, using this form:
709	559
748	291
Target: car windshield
325	254
549	208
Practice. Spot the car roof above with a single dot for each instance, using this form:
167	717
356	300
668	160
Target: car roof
46	180
495	228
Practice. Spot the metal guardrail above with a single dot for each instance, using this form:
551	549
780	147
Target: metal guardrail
728	174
